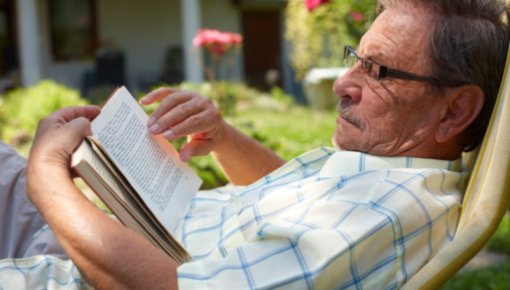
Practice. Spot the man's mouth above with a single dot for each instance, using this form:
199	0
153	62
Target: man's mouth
346	114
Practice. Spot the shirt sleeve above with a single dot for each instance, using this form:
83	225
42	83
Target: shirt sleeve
22	228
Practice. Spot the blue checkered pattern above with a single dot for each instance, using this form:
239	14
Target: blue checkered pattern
40	272
326	220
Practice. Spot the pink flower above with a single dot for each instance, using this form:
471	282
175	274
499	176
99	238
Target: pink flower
216	42
312	4
357	16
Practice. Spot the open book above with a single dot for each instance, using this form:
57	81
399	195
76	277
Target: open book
137	175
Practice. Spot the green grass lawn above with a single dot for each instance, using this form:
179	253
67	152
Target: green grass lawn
289	132
490	278
495	277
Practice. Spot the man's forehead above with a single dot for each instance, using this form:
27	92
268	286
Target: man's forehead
395	35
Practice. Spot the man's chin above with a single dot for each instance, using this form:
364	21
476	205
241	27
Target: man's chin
337	142
340	143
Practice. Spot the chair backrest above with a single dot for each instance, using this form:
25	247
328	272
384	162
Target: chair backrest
485	202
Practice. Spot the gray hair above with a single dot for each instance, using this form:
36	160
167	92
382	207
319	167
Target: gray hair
468	45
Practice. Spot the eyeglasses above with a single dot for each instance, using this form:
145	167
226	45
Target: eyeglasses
381	72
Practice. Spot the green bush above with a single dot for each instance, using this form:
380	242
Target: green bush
318	37
21	109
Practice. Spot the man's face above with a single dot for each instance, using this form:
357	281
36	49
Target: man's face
392	116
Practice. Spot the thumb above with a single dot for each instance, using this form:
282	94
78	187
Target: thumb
195	147
77	129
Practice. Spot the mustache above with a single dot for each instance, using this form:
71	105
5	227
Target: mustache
344	108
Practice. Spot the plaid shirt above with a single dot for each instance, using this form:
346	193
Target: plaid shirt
325	220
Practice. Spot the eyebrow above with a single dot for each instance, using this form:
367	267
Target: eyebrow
370	55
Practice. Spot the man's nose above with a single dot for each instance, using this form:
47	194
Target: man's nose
349	84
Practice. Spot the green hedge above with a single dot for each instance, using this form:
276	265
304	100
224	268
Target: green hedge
21	109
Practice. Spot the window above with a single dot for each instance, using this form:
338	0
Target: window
73	29
8	58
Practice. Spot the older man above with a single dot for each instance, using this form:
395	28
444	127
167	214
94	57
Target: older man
366	215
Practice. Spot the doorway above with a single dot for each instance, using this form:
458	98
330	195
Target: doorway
8	44
262	48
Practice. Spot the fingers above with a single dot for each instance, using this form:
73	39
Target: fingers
79	128
174	108
195	148
70	113
58	135
157	95
204	123
66	115
184	113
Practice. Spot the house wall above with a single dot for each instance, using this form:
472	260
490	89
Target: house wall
143	30
68	73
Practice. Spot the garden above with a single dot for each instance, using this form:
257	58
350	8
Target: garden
271	117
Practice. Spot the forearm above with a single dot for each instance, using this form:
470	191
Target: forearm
243	159
109	255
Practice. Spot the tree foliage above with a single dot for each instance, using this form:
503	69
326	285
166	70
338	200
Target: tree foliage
318	36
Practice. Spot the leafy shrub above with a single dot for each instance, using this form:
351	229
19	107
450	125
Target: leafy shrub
21	109
318	37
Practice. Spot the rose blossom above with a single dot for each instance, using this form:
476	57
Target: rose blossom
312	4
215	41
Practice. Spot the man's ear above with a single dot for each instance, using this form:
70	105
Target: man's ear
464	105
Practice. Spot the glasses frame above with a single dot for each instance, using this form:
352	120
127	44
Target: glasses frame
386	72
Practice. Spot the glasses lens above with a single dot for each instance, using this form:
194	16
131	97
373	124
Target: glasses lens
367	66
350	58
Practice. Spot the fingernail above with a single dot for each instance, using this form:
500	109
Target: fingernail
184	156
151	121
169	134
155	128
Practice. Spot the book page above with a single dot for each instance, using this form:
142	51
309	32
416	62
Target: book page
149	162
103	177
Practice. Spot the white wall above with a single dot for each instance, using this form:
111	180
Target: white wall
68	73
143	30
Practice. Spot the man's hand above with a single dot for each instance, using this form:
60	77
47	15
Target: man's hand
108	254
59	134
55	140
183	113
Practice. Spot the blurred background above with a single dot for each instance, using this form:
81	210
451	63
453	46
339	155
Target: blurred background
269	65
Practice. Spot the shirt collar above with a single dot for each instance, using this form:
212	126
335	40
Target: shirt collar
351	162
